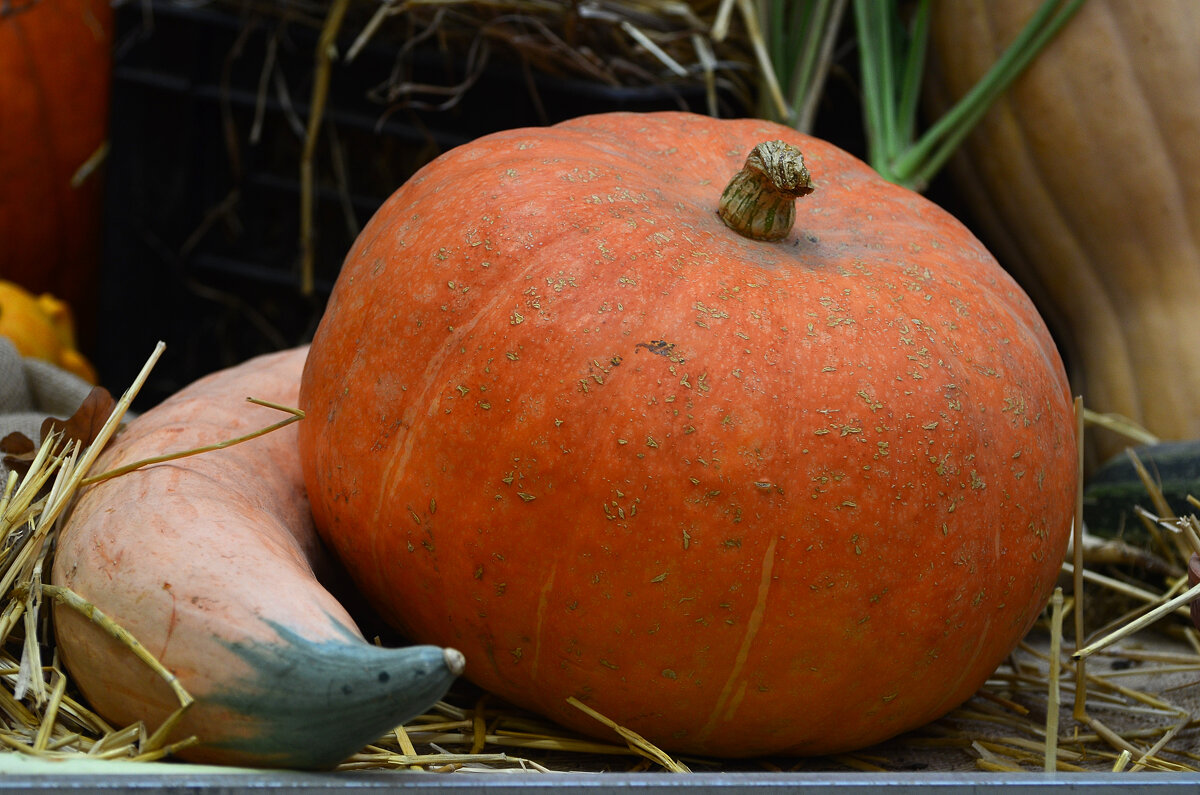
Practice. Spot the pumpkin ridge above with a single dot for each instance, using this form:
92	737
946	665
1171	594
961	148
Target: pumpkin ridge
540	621
432	385
739	663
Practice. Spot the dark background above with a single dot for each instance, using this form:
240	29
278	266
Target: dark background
202	200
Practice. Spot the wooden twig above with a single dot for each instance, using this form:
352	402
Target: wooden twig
1080	709
638	743
1141	622
1056	621
324	56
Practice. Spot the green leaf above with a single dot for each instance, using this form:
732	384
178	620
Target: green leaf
914	161
800	38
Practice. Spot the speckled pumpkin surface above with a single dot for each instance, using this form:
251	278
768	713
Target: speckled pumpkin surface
742	497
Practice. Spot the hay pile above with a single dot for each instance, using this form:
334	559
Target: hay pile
428	55
1124	702
40	716
616	43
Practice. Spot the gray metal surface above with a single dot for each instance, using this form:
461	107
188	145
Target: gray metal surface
601	784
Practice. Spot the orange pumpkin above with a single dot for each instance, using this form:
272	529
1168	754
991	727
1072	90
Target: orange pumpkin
54	88
737	495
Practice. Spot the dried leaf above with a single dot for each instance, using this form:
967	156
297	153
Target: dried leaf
85	424
17	443
19	451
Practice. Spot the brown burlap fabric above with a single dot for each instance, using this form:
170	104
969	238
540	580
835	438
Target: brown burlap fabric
30	391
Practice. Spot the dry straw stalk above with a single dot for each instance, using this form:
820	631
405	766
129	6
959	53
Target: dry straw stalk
1132	707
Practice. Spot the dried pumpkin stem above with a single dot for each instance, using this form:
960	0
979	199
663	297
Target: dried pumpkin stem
760	201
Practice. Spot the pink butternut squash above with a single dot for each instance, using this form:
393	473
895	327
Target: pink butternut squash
209	562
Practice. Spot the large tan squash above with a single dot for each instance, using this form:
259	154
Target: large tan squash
211	562
1083	180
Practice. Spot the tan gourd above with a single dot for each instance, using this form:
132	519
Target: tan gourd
1083	180
209	561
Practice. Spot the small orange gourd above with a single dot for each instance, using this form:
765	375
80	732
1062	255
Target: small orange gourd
794	494
42	327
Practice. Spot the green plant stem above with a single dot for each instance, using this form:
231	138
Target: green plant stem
930	153
914	68
890	113
778	23
820	21
798	45
798	37
874	67
752	16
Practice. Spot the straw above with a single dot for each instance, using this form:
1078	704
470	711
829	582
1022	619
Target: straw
1127	717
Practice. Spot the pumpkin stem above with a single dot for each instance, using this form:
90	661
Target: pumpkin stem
760	201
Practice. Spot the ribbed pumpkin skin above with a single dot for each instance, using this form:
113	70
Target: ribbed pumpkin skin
1083	182
740	497
55	60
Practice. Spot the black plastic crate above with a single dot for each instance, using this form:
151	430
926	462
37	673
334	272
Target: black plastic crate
203	188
